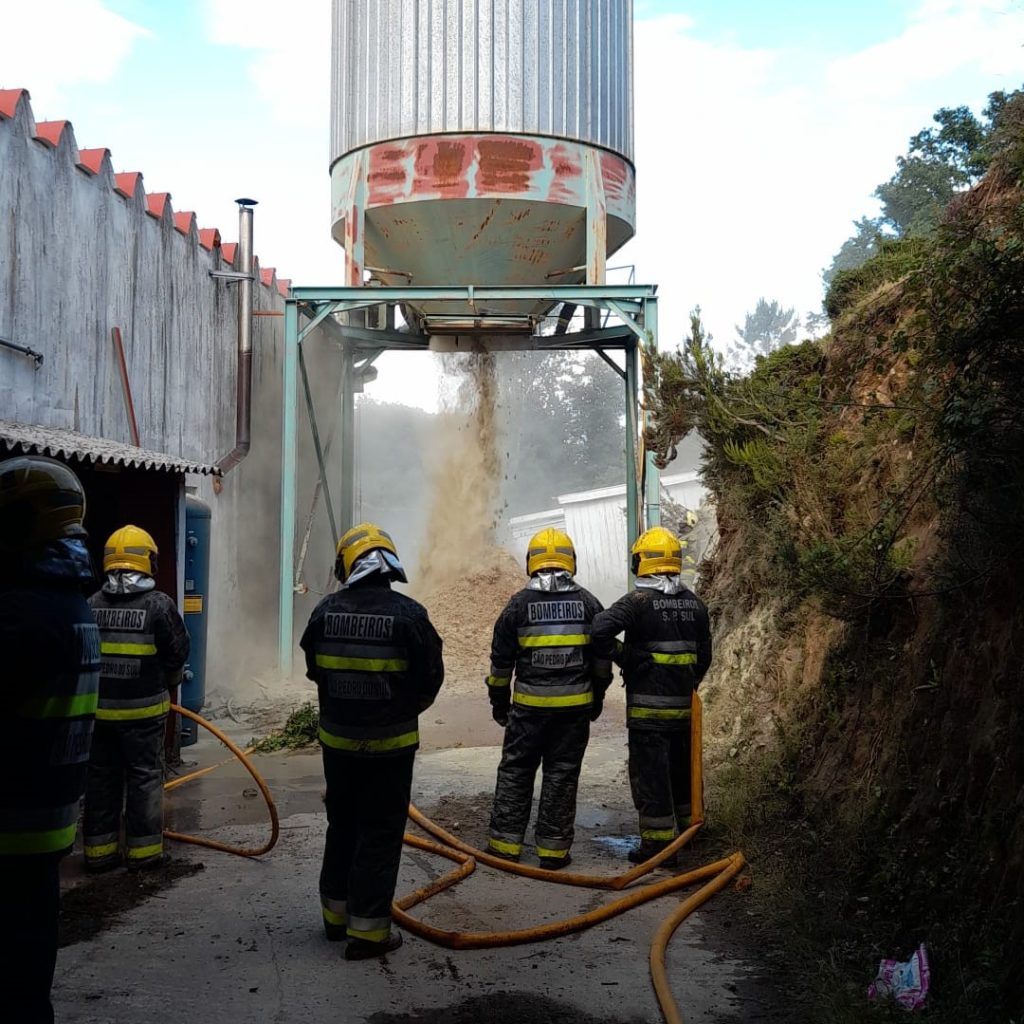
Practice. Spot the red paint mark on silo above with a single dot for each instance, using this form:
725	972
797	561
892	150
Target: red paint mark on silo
387	176
507	164
566	184
441	169
615	174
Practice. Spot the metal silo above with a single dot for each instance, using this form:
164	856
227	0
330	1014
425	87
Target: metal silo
482	141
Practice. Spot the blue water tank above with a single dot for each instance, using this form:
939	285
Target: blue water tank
197	610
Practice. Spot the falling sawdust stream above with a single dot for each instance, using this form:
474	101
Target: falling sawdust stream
466	477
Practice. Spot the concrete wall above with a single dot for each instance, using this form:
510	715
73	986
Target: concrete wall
83	250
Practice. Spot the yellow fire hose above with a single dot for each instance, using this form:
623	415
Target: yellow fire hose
242	755
716	876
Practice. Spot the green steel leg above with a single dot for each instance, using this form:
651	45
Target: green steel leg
286	631
632	520
347	413
652	476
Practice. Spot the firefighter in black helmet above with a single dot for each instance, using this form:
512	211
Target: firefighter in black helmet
145	646
667	651
47	701
543	637
376	660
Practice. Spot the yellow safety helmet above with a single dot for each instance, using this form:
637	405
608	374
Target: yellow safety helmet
657	550
550	549
130	548
356	542
41	500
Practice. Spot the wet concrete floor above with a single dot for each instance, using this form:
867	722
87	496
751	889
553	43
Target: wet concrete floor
242	938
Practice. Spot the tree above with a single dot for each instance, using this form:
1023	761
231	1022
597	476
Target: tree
940	161
563	420
767	328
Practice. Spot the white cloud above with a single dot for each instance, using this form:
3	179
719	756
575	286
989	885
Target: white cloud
752	163
291	61
51	45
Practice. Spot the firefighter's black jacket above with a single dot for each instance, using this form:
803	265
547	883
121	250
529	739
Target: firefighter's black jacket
544	637
665	654
376	660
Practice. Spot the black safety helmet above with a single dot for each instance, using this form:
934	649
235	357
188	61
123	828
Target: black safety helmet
41	500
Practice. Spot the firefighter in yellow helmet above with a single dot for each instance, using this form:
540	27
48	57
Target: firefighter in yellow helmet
665	654
687	525
145	647
51	651
543	638
376	660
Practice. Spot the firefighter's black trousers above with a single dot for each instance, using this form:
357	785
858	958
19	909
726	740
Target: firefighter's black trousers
659	777
555	742
29	905
125	770
367	804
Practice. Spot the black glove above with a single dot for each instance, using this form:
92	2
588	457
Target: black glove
500	715
596	708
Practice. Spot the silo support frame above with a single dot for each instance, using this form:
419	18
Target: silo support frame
634	306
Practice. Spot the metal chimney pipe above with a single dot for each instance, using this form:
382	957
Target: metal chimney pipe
243	402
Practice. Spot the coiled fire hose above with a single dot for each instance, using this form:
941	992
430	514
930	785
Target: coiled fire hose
243	756
715	876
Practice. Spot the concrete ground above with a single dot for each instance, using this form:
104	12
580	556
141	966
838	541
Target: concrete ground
242	939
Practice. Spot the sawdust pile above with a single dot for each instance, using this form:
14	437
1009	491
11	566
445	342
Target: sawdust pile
464	612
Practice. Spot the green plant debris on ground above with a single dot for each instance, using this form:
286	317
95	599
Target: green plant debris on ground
300	730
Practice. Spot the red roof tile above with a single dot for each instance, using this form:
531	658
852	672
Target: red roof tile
267	275
227	250
50	132
156	202
91	160
9	99
127	182
209	238
183	221
284	285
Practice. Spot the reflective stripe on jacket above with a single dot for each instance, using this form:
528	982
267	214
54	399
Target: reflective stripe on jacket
144	641
52	657
376	660
543	639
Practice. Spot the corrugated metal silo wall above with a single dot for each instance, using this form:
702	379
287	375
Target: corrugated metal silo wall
560	68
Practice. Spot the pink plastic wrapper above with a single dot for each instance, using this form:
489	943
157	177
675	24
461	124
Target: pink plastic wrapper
907	982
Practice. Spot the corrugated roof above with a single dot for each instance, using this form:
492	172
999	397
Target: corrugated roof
53	441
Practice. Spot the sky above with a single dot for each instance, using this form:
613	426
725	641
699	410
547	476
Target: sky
761	129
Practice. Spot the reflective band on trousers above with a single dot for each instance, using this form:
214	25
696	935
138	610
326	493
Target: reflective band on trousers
567	700
503	846
334	911
137	650
100	851
547	851
126	711
658	835
59	707
144	852
369	745
661	713
369	929
555	640
338	663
